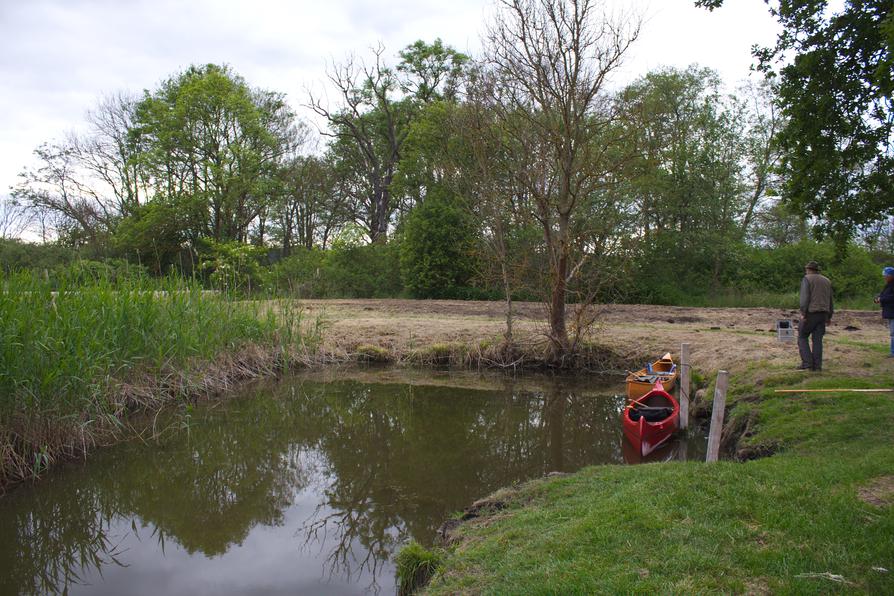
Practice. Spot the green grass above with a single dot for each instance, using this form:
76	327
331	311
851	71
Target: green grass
772	525
63	353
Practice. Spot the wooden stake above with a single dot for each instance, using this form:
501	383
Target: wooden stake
684	386
717	412
834	391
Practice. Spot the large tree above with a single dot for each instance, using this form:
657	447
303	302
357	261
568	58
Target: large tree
551	60
205	135
835	81
370	121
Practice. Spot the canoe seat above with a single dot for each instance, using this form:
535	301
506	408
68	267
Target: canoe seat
650	414
651	370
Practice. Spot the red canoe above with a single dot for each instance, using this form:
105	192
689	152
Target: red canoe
651	420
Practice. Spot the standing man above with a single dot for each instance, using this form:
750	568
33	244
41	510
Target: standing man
816	312
886	299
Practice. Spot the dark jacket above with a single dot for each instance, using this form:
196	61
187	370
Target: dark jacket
886	299
816	294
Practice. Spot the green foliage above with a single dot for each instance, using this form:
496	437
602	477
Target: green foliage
66	347
206	137
437	248
836	92
232	266
16	255
345	271
780	270
415	566
91	273
757	276
155	234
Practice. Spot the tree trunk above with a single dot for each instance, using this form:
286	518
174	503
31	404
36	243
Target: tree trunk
558	330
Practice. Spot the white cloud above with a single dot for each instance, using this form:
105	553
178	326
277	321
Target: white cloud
58	56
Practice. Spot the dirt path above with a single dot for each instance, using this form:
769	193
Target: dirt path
720	337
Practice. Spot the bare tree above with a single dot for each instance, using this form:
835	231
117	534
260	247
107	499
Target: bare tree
487	181
14	219
57	192
108	152
371	125
762	152
552	59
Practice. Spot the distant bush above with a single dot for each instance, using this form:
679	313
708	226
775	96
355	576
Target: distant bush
232	266
16	255
437	253
754	276
86	273
780	270
346	271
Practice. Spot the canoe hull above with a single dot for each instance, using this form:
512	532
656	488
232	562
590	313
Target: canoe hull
637	389
647	436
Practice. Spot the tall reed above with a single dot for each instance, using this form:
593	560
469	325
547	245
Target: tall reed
65	354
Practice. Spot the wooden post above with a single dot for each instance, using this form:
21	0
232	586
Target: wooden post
717	412
684	386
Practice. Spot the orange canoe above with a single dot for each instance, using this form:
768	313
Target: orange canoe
641	382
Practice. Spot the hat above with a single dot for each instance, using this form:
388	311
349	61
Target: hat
812	265
888	271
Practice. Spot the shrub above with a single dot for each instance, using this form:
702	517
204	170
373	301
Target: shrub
437	251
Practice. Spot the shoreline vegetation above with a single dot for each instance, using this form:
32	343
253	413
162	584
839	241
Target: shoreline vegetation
79	360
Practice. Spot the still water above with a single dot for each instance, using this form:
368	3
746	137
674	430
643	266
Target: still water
303	486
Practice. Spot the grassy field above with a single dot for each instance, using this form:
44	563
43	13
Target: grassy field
816	516
77	359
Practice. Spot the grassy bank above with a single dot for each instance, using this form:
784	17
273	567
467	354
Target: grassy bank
75	360
817	516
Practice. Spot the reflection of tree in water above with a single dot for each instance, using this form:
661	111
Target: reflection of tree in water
402	458
239	468
206	490
390	461
49	541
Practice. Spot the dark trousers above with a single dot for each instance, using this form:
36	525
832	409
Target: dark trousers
812	326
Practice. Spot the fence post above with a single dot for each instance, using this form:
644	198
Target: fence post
717	412
684	386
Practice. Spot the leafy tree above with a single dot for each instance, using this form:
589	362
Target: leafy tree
371	122
437	248
157	233
206	134
306	208
835	82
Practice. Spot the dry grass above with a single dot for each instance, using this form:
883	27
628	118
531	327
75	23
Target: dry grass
721	338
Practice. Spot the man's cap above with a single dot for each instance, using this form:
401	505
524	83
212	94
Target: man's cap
888	271
812	265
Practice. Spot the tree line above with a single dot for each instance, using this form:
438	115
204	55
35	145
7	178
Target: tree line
521	173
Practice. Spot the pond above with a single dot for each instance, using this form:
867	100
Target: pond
309	484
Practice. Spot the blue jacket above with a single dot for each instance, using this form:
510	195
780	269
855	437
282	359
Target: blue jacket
886	299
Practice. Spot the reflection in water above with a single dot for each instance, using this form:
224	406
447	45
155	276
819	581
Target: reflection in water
304	487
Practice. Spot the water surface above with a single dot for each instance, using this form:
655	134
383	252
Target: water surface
299	486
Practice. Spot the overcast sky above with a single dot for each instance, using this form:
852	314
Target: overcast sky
58	56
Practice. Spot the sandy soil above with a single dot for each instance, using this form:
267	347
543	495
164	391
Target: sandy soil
728	338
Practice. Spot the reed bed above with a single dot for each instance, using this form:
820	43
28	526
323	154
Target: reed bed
77	358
